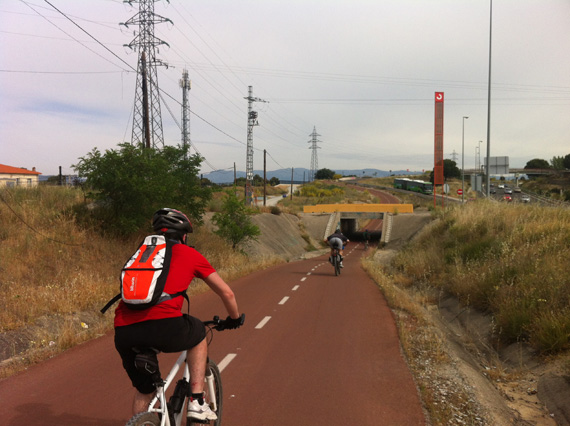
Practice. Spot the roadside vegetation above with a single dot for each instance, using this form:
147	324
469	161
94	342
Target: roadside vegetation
508	260
325	192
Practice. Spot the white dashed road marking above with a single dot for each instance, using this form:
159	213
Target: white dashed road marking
296	287
284	300
263	322
224	363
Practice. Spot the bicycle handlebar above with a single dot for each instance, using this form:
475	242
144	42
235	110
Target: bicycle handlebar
220	324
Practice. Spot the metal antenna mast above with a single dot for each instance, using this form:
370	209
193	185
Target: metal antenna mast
314	159
185	85
147	120
251	122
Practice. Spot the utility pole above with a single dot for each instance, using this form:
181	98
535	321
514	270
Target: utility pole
292	169
147	120
185	86
251	122
314	159
488	157
478	157
264	177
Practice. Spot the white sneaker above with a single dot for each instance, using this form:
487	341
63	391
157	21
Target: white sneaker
200	412
341	265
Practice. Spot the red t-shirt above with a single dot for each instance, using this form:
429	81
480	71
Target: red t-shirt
185	265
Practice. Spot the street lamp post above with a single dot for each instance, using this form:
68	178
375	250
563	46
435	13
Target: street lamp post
463	160
479	156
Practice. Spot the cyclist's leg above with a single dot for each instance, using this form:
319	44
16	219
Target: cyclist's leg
126	338
141	401
197	360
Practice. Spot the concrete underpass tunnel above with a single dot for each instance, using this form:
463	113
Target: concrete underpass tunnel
353	227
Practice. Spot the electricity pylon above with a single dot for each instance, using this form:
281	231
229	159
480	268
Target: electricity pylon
314	159
185	85
251	122
147	120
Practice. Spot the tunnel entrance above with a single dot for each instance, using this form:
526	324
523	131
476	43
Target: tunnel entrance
353	225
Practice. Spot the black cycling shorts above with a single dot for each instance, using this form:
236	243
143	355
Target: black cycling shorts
167	335
336	243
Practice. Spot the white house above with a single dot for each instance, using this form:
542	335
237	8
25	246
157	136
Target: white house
17	176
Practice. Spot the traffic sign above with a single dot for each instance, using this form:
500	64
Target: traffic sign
459	191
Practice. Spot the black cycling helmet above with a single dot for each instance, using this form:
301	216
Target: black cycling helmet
166	220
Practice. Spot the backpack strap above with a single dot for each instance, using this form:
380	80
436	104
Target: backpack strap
111	303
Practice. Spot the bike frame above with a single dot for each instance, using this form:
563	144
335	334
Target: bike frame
161	393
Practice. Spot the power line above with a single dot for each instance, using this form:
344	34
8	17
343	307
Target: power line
63	72
78	26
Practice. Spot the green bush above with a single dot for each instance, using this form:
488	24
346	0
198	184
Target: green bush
233	222
129	184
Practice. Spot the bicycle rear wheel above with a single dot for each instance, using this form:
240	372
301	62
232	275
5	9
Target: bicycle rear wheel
218	396
144	419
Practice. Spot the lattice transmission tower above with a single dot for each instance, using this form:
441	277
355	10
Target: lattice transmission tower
147	120
185	86
314	158
251	122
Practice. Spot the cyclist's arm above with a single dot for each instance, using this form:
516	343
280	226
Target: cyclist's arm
219	286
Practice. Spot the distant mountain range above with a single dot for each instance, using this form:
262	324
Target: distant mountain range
300	175
284	175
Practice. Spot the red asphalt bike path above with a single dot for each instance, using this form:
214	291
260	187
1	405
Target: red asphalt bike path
315	349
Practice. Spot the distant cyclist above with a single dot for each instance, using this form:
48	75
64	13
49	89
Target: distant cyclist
366	236
337	241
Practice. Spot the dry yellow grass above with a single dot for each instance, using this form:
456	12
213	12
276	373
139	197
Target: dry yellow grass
56	276
510	260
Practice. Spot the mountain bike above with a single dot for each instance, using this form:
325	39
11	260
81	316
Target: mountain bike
335	260
172	413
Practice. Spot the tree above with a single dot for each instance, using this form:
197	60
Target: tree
274	181
557	163
450	170
324	174
537	163
130	183
566	162
234	223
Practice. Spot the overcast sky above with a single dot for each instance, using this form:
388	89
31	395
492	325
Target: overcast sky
362	72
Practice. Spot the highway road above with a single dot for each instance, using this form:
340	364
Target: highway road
499	194
315	350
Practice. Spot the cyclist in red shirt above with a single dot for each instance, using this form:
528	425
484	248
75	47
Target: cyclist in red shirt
164	326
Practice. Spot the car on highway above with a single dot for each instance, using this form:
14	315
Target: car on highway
525	198
492	190
508	198
517	189
501	186
508	191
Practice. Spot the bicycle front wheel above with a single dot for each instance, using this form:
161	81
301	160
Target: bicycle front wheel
144	419
337	265
215	394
